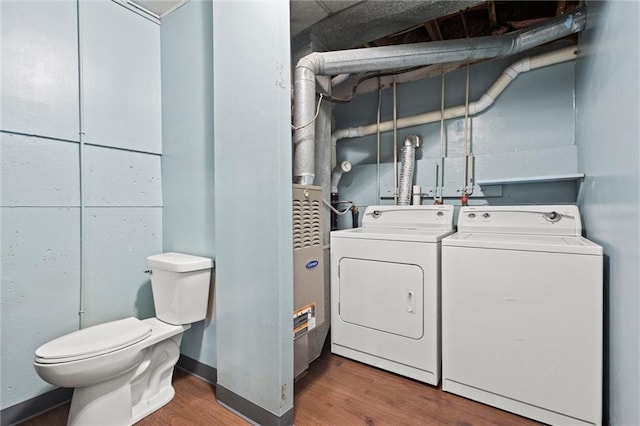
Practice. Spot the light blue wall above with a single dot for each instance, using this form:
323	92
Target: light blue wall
608	137
120	77
187	149
528	132
254	248
81	194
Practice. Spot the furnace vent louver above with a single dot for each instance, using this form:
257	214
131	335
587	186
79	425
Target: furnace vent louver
308	276
307	230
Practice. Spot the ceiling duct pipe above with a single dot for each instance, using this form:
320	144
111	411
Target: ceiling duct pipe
403	56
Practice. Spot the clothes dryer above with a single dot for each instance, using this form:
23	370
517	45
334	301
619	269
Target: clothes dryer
385	289
522	313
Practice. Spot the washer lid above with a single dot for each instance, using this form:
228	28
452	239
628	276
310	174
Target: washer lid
524	242
93	341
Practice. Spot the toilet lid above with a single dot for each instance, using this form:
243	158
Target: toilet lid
93	341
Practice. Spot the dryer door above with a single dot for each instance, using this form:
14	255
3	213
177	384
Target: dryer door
385	304
384	296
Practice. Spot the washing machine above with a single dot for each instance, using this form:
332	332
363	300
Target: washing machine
385	289
522	302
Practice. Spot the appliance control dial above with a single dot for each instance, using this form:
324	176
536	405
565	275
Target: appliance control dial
553	216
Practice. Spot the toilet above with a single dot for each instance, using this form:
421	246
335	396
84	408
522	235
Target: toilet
121	370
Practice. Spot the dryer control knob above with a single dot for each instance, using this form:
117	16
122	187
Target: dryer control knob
553	216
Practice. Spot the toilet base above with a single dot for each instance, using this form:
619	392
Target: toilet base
87	415
142	410
107	403
128	398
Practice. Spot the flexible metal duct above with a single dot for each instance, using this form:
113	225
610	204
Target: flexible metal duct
405	186
403	56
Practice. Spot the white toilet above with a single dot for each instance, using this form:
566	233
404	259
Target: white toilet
122	370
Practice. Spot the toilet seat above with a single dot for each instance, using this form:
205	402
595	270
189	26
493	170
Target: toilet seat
93	341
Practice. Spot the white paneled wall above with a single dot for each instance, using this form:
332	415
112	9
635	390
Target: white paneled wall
127	235
120	77
81	191
121	178
39	172
40	289
40	68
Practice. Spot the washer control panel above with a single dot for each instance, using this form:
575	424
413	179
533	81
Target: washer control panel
537	219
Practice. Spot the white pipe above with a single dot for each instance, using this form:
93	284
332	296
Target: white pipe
417	196
471	161
437	185
485	101
403	56
336	175
377	143
82	168
339	79
440	189
395	142
465	169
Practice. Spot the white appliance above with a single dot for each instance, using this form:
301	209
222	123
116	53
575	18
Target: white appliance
308	277
121	370
522	313
385	289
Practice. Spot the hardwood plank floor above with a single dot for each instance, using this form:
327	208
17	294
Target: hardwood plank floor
335	391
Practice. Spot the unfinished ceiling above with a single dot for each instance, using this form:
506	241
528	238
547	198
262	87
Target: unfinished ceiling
323	25
386	22
335	25
305	13
351	25
485	19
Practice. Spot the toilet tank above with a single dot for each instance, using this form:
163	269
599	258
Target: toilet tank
180	284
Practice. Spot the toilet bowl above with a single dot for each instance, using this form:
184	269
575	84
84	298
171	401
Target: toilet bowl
121	370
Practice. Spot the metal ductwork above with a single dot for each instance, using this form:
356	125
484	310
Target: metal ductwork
404	56
411	142
485	101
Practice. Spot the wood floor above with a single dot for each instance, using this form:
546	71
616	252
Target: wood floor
335	391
